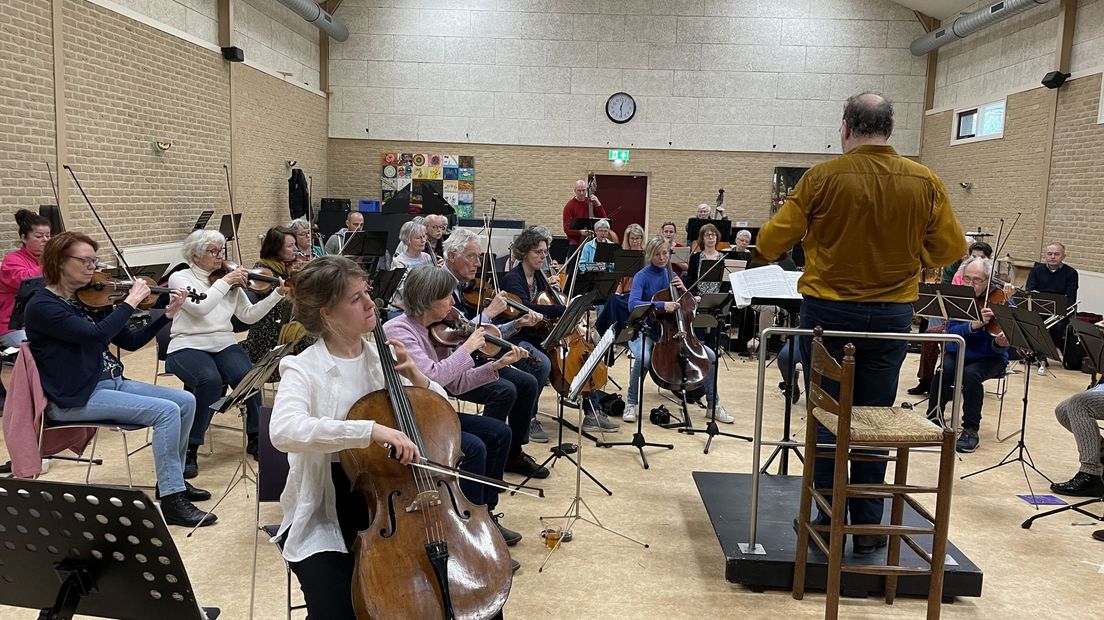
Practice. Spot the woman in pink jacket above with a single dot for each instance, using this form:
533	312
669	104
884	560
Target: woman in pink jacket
34	232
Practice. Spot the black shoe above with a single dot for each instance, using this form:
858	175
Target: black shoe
968	441
525	465
1098	535
193	494
251	447
921	388
512	537
191	465
514	565
5	468
179	511
865	544
794	395
1081	485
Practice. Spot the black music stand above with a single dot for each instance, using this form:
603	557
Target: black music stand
1092	341
583	223
201	222
567	322
227	228
251	384
793	310
947	302
1025	331
94	550
694	225
386	284
716	305
637	325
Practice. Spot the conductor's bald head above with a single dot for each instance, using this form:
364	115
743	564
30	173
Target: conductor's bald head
867	117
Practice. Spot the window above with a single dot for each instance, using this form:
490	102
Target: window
985	122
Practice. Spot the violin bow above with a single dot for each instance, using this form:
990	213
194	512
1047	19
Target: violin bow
53	184
487	262
233	222
103	227
433	466
993	266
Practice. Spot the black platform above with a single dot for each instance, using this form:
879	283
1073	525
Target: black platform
727	499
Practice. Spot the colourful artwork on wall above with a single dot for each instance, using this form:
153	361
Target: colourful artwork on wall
453	176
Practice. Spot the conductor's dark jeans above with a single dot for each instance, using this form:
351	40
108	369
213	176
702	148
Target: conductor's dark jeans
877	370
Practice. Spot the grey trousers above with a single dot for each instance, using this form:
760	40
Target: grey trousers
1079	414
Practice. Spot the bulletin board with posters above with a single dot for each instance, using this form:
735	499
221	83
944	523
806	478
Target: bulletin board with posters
453	176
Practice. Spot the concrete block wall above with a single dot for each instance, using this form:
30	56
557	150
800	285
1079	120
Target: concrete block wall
719	75
27	139
198	18
1088	38
277	39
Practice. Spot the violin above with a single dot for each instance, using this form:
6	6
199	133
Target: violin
261	279
453	330
428	552
996	297
679	360
105	291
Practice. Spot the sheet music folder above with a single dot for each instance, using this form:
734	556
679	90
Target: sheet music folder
947	302
770	281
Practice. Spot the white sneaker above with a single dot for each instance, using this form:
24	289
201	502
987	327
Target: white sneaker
1042	370
722	415
629	414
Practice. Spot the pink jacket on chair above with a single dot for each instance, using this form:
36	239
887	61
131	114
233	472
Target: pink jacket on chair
24	410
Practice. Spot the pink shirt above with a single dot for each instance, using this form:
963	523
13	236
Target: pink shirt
16	266
455	370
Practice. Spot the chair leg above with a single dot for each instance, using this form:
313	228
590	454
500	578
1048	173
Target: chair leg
942	524
896	517
287	567
126	454
91	457
805	510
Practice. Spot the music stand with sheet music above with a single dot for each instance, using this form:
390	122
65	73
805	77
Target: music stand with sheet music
574	514
93	550
946	302
1046	304
201	222
1092	341
153	272
250	385
1025	331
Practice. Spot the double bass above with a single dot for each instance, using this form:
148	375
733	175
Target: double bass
428	552
679	359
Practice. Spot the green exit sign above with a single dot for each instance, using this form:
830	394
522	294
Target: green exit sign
619	155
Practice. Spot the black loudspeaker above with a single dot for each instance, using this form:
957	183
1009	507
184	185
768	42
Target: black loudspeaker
1054	79
233	54
52	213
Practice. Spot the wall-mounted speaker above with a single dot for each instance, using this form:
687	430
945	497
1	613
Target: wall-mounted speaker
52	213
1054	79
233	54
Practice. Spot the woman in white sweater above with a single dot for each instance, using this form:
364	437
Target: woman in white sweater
204	352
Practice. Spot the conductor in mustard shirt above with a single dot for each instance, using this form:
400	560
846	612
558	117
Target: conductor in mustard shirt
869	220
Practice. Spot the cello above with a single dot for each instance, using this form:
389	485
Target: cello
679	359
428	552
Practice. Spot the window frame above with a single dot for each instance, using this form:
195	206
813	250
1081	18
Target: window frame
979	112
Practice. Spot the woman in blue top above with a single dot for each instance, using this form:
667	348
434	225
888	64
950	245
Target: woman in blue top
653	278
590	248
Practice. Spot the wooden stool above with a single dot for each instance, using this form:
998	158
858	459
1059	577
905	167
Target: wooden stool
869	427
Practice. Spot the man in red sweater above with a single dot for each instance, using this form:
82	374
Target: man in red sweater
577	207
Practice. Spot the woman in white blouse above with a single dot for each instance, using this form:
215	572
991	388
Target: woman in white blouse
318	387
204	352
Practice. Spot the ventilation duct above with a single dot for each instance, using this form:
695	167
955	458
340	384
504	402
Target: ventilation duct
322	20
965	25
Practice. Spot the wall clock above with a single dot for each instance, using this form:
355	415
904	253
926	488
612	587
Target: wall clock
620	107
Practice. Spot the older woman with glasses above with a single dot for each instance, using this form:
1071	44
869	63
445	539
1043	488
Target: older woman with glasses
34	232
84	381
203	352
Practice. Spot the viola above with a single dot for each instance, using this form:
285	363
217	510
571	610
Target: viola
679	360
428	552
261	279
105	291
472	299
454	330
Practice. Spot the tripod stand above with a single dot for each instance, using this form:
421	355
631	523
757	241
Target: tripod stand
785	444
716	305
1025	331
250	385
574	513
636	326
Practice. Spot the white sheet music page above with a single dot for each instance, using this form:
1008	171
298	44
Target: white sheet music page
768	281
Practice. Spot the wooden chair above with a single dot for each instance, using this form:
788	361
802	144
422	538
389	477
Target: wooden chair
869	427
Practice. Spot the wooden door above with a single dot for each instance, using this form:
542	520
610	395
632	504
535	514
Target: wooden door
625	198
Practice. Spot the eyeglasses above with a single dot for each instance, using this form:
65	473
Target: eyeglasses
540	252
471	258
89	262
213	251
975	279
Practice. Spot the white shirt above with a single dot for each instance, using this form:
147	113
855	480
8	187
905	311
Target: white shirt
308	422
206	326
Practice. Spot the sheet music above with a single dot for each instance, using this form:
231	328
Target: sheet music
595	357
768	281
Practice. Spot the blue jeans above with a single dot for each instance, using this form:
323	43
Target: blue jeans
644	359
877	370
788	357
169	411
512	399
205	373
974	375
485	443
13	338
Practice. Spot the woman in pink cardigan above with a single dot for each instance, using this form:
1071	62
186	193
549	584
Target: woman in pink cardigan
34	232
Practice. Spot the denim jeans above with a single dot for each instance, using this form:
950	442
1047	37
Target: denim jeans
877	370
205	373
974	375
788	357
644	359
485	443
13	338
169	411
511	399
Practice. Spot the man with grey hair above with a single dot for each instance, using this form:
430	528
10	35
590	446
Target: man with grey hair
1054	276
869	219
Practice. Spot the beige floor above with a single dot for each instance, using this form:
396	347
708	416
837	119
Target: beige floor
1053	570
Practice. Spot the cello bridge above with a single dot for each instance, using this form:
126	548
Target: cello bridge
424	500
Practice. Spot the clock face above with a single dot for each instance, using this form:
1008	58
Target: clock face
620	108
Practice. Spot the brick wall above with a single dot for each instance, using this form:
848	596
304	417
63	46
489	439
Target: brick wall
26	111
273	122
533	183
1075	203
128	85
1007	175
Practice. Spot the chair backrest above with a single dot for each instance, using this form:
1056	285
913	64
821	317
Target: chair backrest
164	334
272	469
824	366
